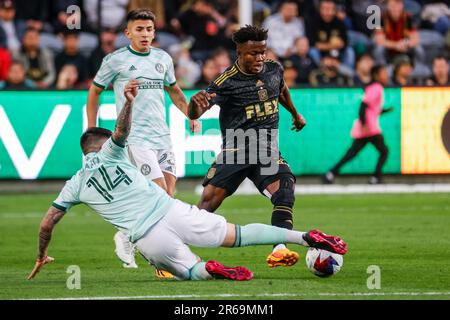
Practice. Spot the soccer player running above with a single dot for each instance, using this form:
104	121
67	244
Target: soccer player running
366	129
248	93
149	144
160	226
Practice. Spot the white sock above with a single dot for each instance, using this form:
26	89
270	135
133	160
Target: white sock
279	247
296	237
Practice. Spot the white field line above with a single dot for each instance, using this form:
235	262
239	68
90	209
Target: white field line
263	295
247	188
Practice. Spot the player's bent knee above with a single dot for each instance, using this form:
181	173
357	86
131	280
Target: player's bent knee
211	199
284	196
283	202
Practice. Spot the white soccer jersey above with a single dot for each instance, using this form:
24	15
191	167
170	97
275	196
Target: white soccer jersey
154	70
114	188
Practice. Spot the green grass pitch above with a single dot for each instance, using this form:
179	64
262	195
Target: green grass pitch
407	236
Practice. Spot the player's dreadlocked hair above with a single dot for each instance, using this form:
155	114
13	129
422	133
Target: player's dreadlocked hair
249	33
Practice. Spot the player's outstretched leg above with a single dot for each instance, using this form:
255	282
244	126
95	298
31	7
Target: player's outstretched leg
257	234
125	250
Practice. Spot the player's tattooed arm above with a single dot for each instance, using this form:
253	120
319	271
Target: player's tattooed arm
45	235
45	231
123	122
298	121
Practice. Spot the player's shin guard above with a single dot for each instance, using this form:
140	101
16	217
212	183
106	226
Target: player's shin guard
283	202
257	234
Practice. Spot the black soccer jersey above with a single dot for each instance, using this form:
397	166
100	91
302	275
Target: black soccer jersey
248	101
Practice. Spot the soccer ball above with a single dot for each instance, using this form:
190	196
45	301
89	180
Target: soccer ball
323	263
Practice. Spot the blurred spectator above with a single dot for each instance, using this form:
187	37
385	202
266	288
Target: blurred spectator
11	30
172	8
112	14
187	71
34	13
72	55
398	35
440	75
204	25
341	14
68	78
284	27
364	65
222	59
326	33
329	73
403	69
210	71
290	74
38	62
59	14
261	10
5	62
155	6
302	60
231	14
107	39
16	78
270	55
436	15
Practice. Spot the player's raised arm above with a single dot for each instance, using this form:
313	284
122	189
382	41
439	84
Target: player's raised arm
45	234
298	121
123	123
199	104
92	105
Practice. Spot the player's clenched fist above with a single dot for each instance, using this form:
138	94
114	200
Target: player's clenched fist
131	90
298	122
202	99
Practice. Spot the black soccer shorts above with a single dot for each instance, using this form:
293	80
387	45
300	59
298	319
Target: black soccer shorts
230	176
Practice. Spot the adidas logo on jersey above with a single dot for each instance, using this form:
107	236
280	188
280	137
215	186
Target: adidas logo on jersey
132	68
